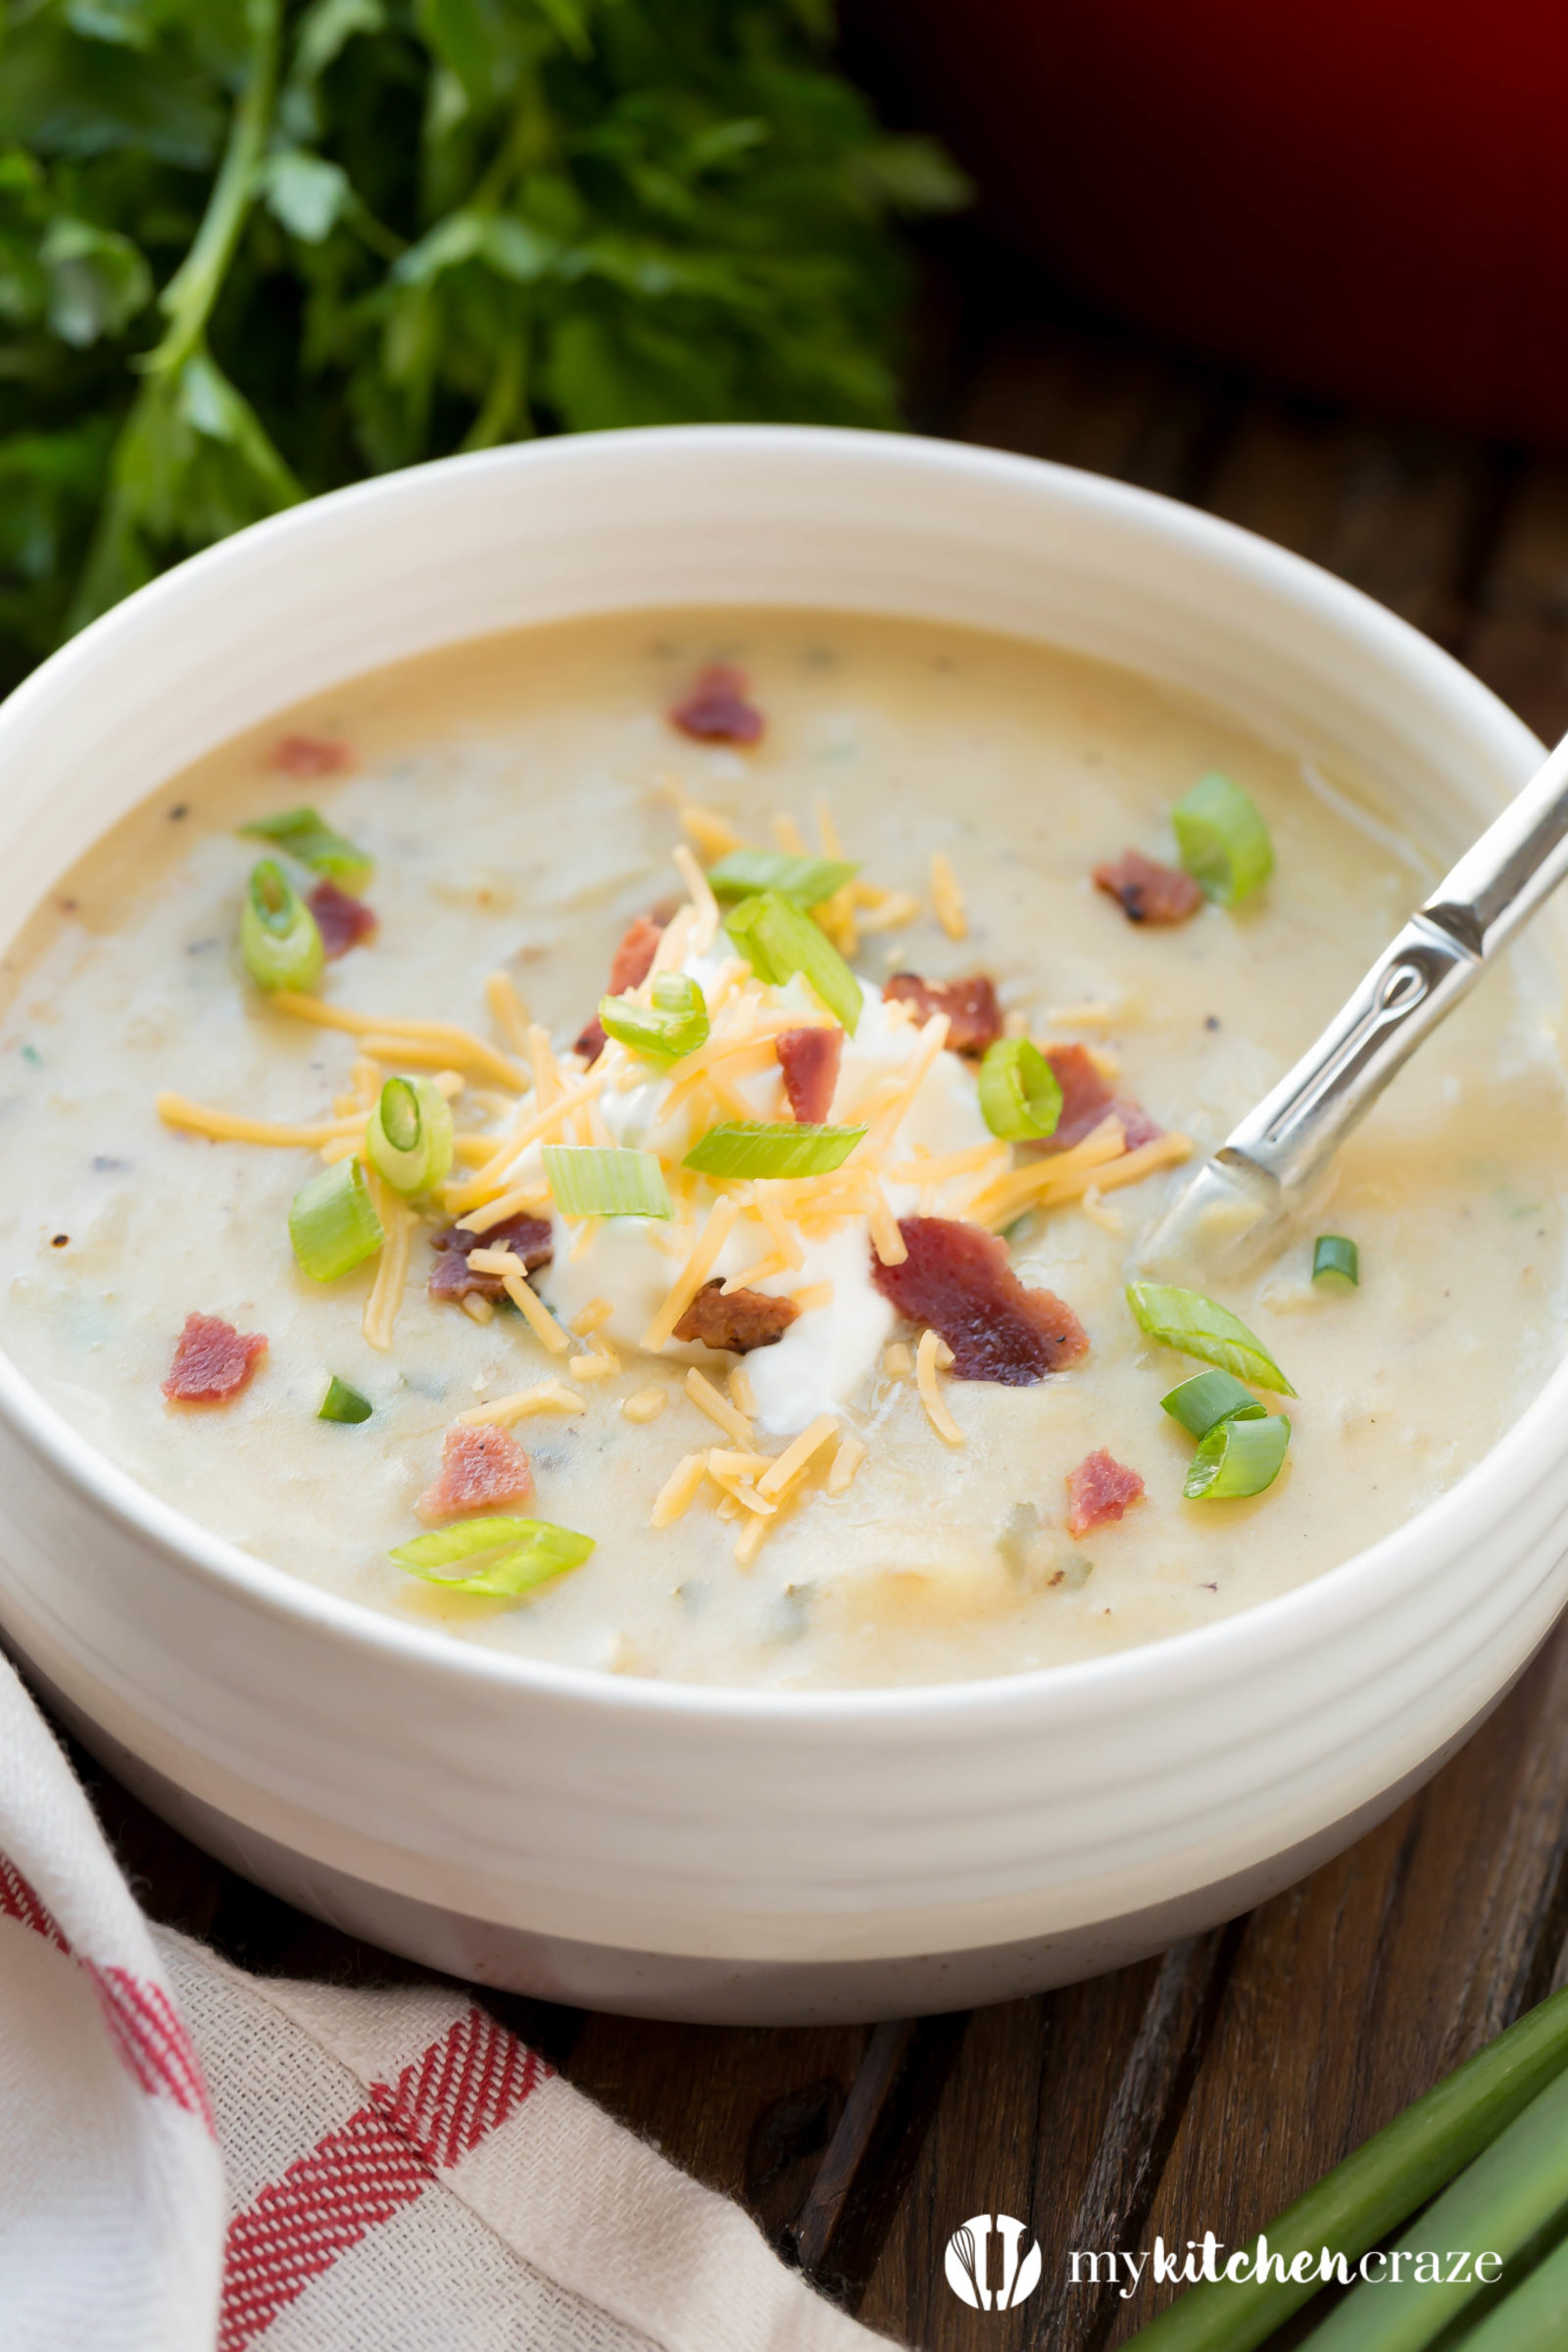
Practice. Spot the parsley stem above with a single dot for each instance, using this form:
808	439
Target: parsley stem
188	299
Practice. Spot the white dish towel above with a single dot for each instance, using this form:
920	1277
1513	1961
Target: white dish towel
193	2157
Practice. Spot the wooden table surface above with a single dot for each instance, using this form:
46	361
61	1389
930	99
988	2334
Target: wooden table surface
1204	2089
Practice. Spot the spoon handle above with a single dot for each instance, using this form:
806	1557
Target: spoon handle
1493	889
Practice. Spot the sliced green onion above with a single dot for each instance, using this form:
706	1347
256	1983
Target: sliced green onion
1202	1402
1223	841
778	938
304	835
343	1403
1020	1099
408	1137
674	1024
1335	1259
586	1180
743	1148
1529	2319
1239	1456
333	1222
1202	1327
514	1555
1515	2190
806	880
1378	2186
279	935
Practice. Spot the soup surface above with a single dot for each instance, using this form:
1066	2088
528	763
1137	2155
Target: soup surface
522	800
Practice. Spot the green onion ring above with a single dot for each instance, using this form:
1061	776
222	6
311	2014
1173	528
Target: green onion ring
333	1222
1239	1456
1020	1096
279	935
1223	841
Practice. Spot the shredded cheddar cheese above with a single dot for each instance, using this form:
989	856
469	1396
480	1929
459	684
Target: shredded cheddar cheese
508	1012
463	1046
534	1312
783	1473
228	1127
811	1297
753	1536
715	835
679	1490
399	1224
927	1358
742	1395
884	909
947	898
645	1406
706	928
707	1400
851	1454
551	1396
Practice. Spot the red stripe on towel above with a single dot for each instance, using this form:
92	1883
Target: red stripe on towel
442	2105
144	2026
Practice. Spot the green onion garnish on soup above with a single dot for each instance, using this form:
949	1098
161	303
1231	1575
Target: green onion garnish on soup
333	1222
738	1147
778	938
1020	1098
806	880
304	836
1239	1456
1223	841
673	1025
514	1555
279	935
408	1137
589	1180
1202	1402
1335	1260
343	1403
1202	1327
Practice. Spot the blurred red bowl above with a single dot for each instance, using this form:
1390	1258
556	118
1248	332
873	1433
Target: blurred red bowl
1364	198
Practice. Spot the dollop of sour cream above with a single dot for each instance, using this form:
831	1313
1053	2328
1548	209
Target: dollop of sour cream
828	1351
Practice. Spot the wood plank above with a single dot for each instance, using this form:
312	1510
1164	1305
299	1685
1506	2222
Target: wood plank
1057	2099
1047	390
1518	637
1401	514
748	2110
1352	1992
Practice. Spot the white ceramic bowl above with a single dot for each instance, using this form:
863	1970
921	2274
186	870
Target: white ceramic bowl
727	1854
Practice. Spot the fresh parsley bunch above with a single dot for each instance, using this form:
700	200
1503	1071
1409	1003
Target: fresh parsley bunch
252	249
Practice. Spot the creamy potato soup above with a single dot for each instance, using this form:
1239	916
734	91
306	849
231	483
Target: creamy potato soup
627	1142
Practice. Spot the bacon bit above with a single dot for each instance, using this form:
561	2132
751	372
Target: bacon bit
342	921
1148	892
633	959
717	709
480	1468
810	1060
957	1281
452	1276
311	755
742	1321
212	1361
1087	1099
629	967
1099	1491
974	1018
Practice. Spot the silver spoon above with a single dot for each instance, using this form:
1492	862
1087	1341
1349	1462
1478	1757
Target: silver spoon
1233	1208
